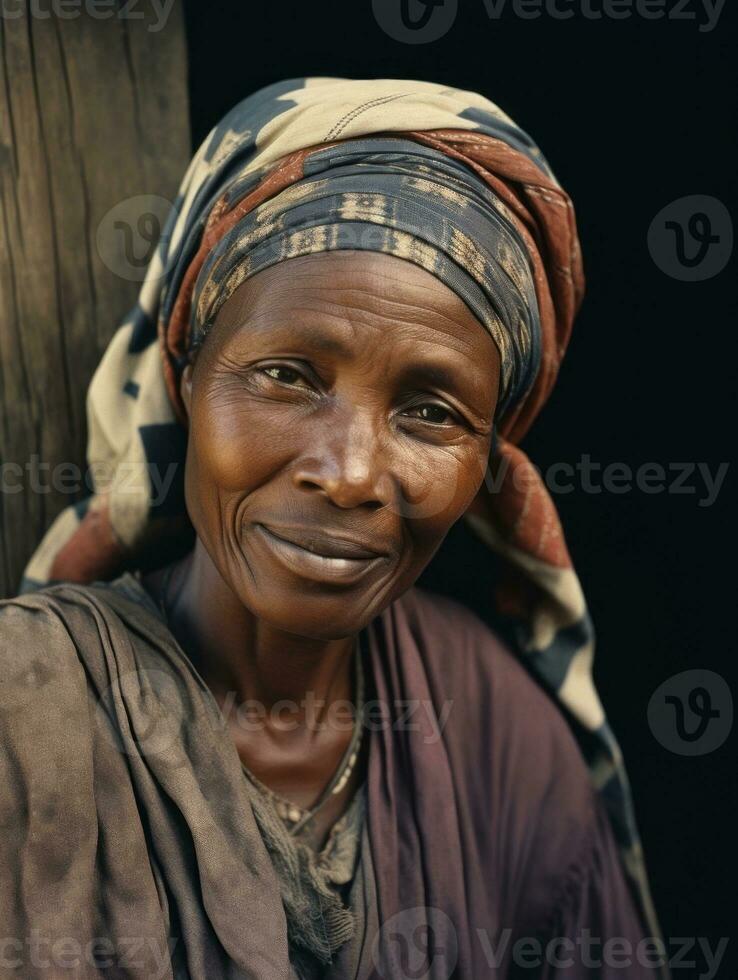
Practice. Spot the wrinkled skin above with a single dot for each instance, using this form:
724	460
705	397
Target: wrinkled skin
284	429
350	392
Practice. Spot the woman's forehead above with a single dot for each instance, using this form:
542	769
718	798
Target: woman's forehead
333	292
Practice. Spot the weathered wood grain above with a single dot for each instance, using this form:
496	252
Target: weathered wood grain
92	112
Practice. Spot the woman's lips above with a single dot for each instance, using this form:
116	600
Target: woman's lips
320	567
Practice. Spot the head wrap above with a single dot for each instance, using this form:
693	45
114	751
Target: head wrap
383	194
436	175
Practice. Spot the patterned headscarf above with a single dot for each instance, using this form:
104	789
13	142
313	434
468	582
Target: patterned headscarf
382	194
442	178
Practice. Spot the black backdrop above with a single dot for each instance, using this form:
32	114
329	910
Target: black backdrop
632	115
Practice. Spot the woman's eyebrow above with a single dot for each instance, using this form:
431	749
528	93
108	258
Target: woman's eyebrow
326	343
462	382
436	374
317	339
440	375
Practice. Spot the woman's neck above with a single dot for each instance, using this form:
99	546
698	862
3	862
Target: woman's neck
286	699
245	659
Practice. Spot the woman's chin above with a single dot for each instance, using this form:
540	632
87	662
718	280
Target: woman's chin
313	613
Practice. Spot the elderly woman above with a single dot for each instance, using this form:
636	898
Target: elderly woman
259	749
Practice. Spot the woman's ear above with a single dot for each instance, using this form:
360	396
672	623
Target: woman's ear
185	388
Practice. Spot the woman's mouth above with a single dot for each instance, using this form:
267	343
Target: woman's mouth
346	564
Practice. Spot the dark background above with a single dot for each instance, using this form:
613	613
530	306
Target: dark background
631	115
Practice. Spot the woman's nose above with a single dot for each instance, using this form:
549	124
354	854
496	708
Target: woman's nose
345	460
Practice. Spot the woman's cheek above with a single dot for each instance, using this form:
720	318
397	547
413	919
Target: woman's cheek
234	443
437	488
473	475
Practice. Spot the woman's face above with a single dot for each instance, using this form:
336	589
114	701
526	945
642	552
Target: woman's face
340	423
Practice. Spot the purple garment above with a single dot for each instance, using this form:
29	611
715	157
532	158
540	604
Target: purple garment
483	828
497	827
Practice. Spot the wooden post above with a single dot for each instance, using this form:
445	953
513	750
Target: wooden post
94	138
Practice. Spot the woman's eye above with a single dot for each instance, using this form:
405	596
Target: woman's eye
279	372
435	414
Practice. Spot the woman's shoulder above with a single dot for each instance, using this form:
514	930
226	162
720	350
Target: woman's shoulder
68	654
61	605
34	646
64	625
39	622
